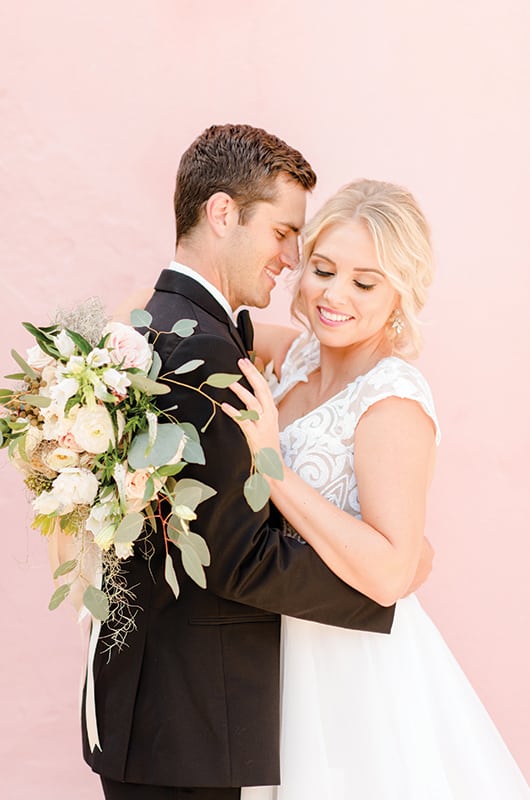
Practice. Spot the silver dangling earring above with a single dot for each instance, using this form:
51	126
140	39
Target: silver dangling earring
398	324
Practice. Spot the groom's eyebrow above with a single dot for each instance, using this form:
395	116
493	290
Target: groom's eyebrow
291	226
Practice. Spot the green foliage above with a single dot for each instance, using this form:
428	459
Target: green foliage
189	366
140	318
184	327
170	576
222	380
256	491
268	463
65	568
24	366
163	450
129	528
96	602
59	595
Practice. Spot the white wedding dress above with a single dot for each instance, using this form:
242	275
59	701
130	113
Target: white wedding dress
368	716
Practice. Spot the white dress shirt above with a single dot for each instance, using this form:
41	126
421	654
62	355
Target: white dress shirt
196	276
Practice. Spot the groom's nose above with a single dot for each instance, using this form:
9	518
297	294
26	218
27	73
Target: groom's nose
290	254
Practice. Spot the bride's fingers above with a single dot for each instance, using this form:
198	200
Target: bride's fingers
256	380
247	397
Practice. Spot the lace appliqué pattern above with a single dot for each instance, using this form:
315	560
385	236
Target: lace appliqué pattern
320	445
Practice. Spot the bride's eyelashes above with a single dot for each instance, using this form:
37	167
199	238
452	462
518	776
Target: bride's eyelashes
322	273
365	286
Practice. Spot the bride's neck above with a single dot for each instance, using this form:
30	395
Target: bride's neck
340	366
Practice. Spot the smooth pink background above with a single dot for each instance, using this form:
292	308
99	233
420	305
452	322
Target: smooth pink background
99	99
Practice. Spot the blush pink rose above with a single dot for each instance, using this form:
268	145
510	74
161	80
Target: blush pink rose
127	347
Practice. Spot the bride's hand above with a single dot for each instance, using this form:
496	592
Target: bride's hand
263	431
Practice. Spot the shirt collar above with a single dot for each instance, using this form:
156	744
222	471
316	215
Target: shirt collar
196	276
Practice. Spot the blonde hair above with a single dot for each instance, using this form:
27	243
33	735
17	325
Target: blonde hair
402	242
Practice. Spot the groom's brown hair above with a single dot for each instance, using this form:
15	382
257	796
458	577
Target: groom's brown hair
240	160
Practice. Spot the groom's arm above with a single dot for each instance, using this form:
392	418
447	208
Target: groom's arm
252	560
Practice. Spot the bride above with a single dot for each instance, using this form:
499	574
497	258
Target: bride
365	716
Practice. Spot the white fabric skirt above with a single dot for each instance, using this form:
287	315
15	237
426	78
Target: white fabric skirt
367	716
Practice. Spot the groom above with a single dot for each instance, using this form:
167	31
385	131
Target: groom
193	701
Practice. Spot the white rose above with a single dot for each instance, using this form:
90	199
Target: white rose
38	359
77	486
64	344
48	503
127	347
93	429
61	458
98	357
101	524
116	380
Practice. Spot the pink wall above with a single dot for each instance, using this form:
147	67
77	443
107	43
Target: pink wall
99	99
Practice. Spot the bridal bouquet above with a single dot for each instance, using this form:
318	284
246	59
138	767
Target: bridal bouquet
99	456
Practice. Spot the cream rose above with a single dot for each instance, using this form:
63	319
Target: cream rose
135	483
93	429
61	458
127	347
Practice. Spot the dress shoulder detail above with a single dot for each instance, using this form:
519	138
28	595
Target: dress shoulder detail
392	377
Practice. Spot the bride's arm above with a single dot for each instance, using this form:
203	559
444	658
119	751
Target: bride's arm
394	456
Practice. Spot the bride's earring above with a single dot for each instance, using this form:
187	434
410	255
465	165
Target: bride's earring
397	324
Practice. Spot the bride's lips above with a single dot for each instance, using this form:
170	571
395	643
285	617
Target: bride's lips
333	318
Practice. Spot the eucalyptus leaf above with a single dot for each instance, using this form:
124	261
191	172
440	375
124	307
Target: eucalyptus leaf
256	491
189	366
38	400
198	544
65	568
24	366
170	576
190	431
15	376
222	380
140	318
190	492
149	489
170	469
184	327
165	447
268	463
155	366
193	453
129	528
60	594
174	528
247	413
192	564
146	385
96	602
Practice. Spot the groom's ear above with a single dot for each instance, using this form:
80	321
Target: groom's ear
222	213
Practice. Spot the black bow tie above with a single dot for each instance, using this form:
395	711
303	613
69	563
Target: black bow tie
245	329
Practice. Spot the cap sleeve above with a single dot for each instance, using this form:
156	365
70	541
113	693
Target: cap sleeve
393	377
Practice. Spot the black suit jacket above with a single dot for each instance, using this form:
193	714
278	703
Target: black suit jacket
193	700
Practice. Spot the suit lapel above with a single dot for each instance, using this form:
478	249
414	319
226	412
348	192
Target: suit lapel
172	281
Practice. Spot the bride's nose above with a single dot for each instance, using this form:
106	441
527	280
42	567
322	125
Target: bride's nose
333	294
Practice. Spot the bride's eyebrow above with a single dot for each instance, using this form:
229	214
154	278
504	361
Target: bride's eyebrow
314	254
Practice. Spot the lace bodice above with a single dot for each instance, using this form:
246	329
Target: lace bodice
320	445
